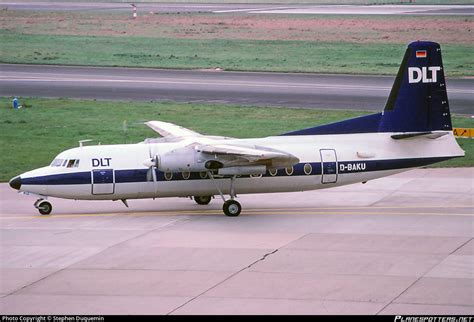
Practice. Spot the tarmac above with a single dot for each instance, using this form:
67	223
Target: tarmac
257	8
397	245
357	92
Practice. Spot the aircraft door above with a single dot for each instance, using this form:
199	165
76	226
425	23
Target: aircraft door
328	166
103	182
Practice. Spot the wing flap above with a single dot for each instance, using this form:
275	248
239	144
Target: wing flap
250	154
228	149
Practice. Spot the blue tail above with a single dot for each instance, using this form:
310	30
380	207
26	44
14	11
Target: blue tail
418	101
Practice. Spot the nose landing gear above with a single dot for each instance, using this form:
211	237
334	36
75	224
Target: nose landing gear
43	206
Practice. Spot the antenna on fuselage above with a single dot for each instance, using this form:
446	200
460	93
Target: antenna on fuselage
125	130
81	142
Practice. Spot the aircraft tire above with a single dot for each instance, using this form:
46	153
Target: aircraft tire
45	207
202	200
232	208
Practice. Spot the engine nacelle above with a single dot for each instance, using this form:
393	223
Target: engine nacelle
186	159
190	159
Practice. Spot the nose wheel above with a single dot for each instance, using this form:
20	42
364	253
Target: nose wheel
44	207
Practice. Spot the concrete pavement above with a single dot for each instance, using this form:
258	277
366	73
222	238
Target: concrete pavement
397	245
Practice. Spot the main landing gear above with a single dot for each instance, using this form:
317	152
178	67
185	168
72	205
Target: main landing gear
231	207
43	206
202	200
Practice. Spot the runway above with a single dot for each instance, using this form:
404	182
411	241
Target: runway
439	10
245	88
398	245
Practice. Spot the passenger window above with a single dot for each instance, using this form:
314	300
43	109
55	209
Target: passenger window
168	175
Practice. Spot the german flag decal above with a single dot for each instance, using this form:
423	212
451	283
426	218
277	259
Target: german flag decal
421	54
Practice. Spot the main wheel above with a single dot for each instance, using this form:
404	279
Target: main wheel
202	200
45	207
232	208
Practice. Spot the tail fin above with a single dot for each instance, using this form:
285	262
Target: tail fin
418	101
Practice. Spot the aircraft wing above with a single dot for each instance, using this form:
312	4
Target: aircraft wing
173	132
252	155
214	151
170	130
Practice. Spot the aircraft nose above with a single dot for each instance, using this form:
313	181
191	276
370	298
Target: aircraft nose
15	183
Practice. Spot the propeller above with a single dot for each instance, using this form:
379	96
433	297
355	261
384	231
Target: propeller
152	164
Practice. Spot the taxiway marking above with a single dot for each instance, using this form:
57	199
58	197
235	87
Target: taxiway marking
280	211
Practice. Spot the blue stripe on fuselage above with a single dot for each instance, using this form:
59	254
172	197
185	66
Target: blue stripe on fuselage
140	175
59	179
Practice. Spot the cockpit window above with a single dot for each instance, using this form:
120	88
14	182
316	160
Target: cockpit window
73	163
57	162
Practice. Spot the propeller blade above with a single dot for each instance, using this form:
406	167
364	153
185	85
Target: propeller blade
149	175
152	164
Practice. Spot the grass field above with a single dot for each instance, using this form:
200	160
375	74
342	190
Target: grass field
321	44
244	55
31	137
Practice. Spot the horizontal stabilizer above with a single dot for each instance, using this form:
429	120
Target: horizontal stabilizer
428	135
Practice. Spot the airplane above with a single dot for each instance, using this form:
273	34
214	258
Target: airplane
413	130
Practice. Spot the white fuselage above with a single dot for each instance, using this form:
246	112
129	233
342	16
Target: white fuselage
112	172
